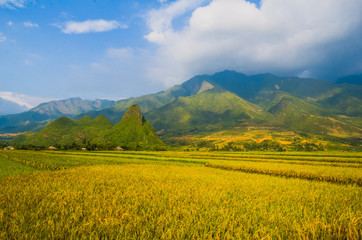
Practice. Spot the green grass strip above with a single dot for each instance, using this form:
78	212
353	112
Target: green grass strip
205	158
339	175
11	168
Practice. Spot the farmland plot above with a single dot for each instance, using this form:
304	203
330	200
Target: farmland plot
172	195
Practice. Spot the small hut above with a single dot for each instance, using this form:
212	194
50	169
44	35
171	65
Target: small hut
84	149
118	149
9	148
51	148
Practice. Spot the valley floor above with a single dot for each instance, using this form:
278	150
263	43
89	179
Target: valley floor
180	195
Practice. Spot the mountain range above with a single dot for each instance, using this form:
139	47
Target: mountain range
212	107
37	118
133	132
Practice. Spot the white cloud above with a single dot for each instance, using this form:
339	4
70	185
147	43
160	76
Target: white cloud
2	37
282	37
30	24
100	25
23	100
12	4
304	74
160	21
10	23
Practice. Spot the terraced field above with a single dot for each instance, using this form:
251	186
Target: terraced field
180	195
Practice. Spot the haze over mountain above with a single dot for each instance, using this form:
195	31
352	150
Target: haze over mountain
36	118
9	107
12	103
71	106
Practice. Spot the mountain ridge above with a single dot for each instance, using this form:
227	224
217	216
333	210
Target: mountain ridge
39	116
229	100
132	132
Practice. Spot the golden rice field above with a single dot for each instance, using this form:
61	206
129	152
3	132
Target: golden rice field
180	195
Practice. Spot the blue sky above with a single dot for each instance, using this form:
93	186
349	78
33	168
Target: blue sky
119	49
39	59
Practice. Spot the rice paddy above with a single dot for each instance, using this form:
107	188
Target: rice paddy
180	195
11	168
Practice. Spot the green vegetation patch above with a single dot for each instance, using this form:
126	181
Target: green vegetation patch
11	168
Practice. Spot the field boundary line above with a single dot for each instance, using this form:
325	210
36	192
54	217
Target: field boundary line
287	174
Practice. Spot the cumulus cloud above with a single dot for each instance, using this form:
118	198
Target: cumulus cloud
12	4
100	25
160	21
10	23
321	38
22	99
30	24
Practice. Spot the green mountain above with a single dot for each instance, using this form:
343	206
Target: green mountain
132	132
307	108
152	101
298	115
210	110
241	105
38	117
344	99
64	131
217	109
338	98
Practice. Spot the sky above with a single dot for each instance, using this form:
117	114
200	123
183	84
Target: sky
108	49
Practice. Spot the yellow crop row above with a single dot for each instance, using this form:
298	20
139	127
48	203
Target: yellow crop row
151	201
342	175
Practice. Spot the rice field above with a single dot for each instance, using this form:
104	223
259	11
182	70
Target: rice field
180	195
11	168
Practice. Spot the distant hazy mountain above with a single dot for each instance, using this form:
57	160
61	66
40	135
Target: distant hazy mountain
9	107
12	102
36	118
71	106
